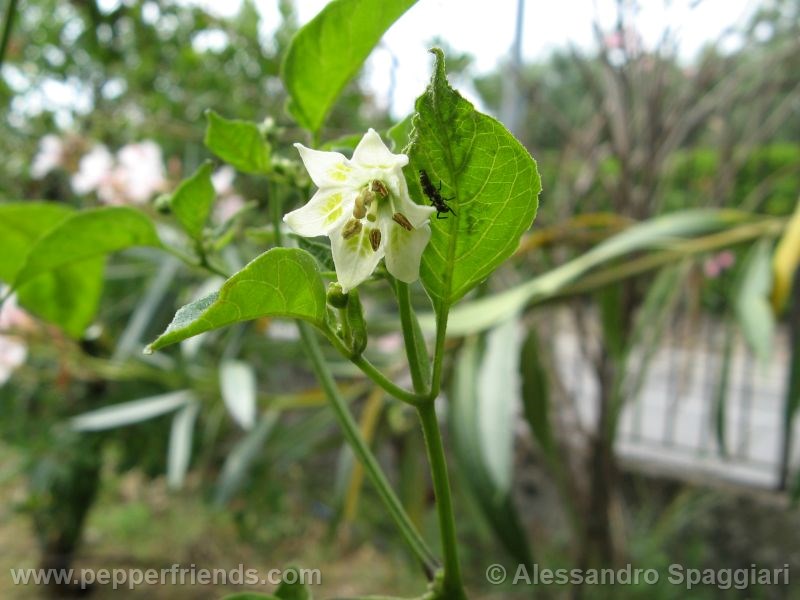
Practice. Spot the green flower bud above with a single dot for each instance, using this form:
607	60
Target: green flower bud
336	297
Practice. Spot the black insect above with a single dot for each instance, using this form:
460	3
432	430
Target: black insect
435	196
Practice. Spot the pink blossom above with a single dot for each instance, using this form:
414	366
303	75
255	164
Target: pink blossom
228	201
13	350
49	157
132	177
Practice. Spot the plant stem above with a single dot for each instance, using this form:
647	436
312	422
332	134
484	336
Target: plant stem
453	588
438	353
8	24
389	386
374	373
411	333
363	453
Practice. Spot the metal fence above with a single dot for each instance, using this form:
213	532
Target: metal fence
687	419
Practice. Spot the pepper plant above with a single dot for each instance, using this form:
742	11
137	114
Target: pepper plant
372	207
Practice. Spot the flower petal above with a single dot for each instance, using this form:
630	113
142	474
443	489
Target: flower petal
326	209
372	153
404	250
354	258
327	169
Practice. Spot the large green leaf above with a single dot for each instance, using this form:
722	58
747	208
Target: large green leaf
659	233
282	282
84	235
239	143
491	178
67	297
21	224
329	50
191	202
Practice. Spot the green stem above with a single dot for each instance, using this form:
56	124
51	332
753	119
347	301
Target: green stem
438	353
411	336
453	588
373	372
276	208
8	24
389	386
363	453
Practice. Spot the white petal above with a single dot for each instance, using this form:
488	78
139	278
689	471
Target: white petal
354	258
404	250
326	209
327	169
372	153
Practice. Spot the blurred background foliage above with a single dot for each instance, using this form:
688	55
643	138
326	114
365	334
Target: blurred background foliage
622	135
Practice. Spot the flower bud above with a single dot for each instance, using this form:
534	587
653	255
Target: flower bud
358	326
336	296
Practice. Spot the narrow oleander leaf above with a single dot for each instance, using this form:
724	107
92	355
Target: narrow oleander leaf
84	235
786	262
536	393
241	144
191	202
487	178
179	452
282	282
128	413
237	380
240	460
67	297
751	300
329	50
470	444
664	232
497	401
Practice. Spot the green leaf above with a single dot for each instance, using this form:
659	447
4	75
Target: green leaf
67	297
21	224
472	440
239	143
87	234
191	202
250	596
282	282
751	300
329	50
293	591
536	393
491	178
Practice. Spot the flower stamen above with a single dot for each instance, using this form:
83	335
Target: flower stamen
351	228
401	220
375	239
377	186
